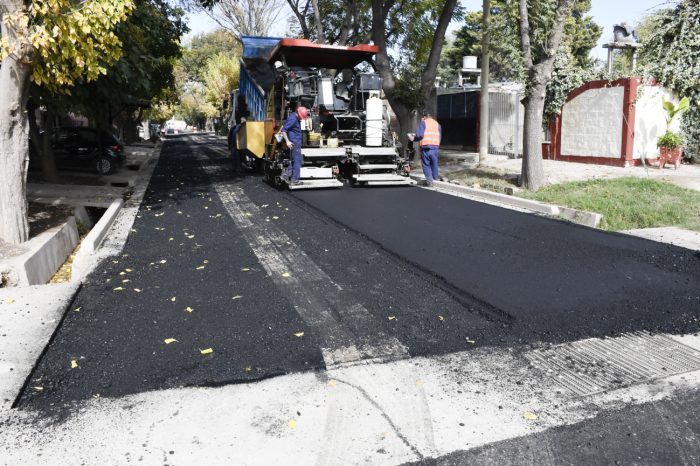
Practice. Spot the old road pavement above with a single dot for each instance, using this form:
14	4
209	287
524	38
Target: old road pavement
246	325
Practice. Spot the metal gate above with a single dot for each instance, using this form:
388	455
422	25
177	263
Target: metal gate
506	120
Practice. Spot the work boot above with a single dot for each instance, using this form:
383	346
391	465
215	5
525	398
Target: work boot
429	183
297	182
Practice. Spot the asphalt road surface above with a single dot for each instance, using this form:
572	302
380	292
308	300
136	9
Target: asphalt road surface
228	280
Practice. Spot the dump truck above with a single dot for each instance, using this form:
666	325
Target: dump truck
347	137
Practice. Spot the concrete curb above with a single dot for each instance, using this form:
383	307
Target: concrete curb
46	254
93	240
590	219
115	236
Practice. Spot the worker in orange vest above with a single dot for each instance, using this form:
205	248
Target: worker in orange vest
428	136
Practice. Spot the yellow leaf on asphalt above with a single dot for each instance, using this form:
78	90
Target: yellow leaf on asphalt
248	368
471	342
173	299
171	239
205	261
275	217
299	334
332	383
10	300
248	214
392	317
126	280
200	267
73	364
189	309
128	270
119	288
122	273
38	389
529	415
206	351
245	269
419	383
237	297
77	309
163	261
292	424
137	290
167	341
286	274
441	318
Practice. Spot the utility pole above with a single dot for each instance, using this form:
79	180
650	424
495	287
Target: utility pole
484	98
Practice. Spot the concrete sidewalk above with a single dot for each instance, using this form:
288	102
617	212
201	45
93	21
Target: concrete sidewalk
687	176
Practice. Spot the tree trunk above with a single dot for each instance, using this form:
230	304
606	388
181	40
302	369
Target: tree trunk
14	150
321	39
533	177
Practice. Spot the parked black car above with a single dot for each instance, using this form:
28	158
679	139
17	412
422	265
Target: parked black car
87	148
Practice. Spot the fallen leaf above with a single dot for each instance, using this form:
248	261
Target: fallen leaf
96	395
122	273
205	261
73	364
471	342
292	424
299	334
77	309
332	383
173	299
206	351
171	239
248	215
286	274
119	288
441	318
179	212
419	383
126	280
237	297
529	415
392	317
275	217
138	290
189	309
163	261
167	341
38	389
128	270
248	368
245	269
10	300
201	267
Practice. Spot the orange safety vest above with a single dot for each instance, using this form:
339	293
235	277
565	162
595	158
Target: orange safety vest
431	135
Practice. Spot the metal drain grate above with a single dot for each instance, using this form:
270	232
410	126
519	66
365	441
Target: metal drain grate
591	366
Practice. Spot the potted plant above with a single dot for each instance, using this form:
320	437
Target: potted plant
671	143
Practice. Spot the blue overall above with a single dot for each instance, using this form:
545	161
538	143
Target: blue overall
293	129
429	155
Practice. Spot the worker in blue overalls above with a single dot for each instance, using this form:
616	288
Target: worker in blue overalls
429	135
291	131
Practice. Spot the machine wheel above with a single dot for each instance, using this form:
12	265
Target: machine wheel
104	165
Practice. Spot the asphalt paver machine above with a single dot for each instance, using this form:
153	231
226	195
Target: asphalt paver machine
347	136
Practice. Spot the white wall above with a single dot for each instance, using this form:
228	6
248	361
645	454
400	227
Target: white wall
592	123
650	121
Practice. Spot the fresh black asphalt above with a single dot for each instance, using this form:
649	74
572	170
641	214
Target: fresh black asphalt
661	432
557	281
439	274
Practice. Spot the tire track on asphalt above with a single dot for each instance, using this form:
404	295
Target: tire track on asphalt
346	330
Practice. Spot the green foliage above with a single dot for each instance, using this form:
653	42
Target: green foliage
670	140
221	77
671	54
506	62
203	47
627	203
673	110
66	42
